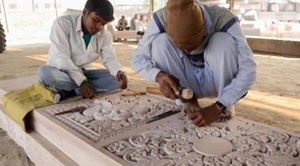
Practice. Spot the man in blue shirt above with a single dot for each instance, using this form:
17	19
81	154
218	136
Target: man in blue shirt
201	47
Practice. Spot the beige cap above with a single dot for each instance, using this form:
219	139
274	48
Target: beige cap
185	24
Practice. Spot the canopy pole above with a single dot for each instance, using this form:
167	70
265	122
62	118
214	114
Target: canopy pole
5	16
32	5
231	5
55	8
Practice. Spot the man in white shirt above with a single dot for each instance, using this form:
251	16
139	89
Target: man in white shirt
76	42
140	28
122	24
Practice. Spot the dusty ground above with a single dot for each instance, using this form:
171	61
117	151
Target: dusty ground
274	99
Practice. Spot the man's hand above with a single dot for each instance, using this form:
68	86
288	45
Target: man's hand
205	116
122	79
168	84
191	106
87	91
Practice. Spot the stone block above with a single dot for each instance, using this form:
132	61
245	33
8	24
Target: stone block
260	24
288	27
244	25
251	31
251	15
297	9
279	46
294	1
290	7
148	138
282	7
277	27
289	34
264	6
274	7
268	33
275	1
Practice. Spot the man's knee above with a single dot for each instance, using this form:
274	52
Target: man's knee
96	74
45	74
221	44
222	41
42	73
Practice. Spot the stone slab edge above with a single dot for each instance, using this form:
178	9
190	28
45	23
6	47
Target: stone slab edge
277	46
39	150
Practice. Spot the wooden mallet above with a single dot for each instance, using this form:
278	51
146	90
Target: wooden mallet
185	94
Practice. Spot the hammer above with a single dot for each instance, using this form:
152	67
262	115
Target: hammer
185	94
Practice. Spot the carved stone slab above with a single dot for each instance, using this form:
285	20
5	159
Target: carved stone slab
111	115
172	144
118	127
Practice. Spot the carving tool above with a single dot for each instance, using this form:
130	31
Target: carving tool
185	94
76	109
163	115
134	94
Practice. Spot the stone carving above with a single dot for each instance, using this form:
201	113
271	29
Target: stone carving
111	115
172	144
120	125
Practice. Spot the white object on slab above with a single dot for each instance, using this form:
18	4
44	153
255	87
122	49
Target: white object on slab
212	146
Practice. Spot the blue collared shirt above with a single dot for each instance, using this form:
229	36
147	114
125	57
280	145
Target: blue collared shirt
141	61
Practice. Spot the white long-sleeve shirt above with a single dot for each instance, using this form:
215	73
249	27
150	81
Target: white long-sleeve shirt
141	61
68	51
140	26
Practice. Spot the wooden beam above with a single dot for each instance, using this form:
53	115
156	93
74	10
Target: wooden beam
231	5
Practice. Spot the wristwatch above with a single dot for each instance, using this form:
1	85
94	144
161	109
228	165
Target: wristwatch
221	106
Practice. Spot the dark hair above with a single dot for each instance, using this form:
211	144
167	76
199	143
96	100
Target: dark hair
102	8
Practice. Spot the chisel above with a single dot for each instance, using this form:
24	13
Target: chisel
133	94
163	115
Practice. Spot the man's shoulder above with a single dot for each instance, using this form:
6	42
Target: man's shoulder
104	32
68	18
217	9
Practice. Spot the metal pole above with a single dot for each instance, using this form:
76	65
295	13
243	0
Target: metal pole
32	5
55	9
5	16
